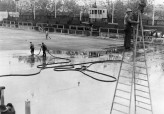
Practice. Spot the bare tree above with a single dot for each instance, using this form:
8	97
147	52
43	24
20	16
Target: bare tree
24	6
119	9
7	5
70	7
86	5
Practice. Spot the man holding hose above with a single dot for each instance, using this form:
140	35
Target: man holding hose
44	49
32	48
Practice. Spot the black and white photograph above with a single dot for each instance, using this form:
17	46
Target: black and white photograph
81	56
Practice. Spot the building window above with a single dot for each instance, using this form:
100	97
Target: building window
100	11
103	11
95	11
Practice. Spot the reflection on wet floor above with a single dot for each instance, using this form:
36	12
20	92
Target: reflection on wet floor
28	59
113	53
23	61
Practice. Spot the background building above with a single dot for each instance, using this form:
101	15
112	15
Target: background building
97	14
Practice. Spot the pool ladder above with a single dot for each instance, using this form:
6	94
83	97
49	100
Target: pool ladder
132	93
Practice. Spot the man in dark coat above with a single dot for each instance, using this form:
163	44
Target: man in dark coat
128	22
32	48
44	49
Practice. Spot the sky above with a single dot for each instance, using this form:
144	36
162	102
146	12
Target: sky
159	1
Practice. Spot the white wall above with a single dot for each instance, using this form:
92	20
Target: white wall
97	13
3	15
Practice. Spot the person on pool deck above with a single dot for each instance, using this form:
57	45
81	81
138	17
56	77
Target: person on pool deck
8	109
47	35
32	48
44	49
128	22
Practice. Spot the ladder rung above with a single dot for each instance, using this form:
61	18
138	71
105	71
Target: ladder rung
127	62
125	77
141	79
135	66
140	73
120	111
121	104
141	85
143	102
141	59
124	69
140	67
143	97
123	91
144	108
142	91
123	97
124	84
142	54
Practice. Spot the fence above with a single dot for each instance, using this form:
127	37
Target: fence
66	29
25	25
111	32
18	25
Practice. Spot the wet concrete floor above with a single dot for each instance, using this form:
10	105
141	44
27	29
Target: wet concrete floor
36	87
69	92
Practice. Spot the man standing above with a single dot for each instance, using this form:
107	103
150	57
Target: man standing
44	49
47	35
32	48
128	22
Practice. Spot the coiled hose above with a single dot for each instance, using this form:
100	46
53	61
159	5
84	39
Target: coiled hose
70	67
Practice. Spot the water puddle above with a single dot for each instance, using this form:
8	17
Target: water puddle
21	63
